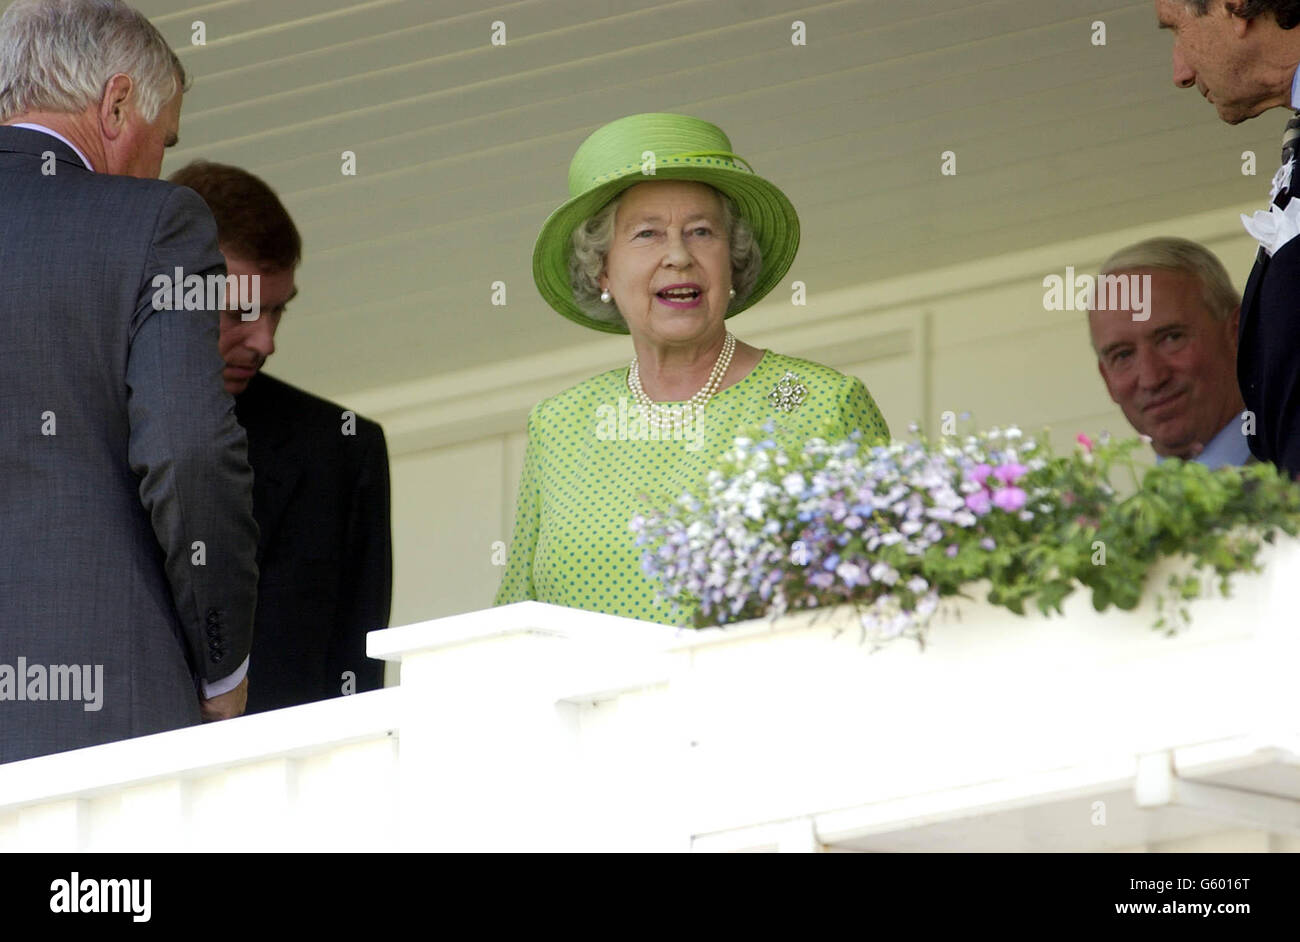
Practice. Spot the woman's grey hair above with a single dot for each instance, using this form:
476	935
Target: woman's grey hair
592	239
58	55
1167	253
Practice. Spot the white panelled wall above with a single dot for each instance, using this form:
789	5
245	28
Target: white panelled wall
970	338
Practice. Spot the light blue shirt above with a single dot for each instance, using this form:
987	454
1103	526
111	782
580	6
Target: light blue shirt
1228	448
1295	90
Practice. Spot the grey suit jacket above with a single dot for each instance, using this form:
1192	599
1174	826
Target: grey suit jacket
127	540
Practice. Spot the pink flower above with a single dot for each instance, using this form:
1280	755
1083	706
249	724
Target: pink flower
979	474
1010	473
1009	499
979	502
1085	441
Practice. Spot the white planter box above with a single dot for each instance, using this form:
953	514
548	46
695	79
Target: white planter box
999	712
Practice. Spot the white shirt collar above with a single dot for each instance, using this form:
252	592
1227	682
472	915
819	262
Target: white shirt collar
1295	90
50	131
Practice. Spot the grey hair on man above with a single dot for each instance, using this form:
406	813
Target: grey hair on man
1168	253
57	56
591	241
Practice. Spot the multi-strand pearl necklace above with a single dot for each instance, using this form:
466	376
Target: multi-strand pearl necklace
659	415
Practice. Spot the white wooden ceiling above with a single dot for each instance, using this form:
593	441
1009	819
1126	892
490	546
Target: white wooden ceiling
463	147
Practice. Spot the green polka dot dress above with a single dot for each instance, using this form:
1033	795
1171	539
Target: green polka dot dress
587	473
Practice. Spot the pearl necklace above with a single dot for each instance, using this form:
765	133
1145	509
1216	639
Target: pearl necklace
657	414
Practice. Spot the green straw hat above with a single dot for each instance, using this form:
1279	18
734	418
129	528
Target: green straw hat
612	159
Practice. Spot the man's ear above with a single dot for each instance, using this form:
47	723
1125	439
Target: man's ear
1240	25
113	106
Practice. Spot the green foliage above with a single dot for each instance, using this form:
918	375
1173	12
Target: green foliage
787	522
1213	521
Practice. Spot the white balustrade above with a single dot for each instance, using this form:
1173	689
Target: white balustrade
535	727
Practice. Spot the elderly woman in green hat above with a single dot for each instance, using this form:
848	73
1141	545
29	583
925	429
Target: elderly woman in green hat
667	235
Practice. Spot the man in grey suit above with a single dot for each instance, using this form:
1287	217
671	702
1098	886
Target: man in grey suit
127	540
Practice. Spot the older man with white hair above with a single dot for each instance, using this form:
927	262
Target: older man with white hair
1172	367
127	548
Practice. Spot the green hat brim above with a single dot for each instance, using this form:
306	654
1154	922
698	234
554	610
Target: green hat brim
767	210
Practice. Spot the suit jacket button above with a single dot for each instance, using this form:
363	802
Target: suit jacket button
216	657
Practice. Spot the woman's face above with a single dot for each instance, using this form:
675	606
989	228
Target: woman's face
669	263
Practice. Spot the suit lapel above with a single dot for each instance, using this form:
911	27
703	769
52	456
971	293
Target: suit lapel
1246	324
273	484
1252	288
271	453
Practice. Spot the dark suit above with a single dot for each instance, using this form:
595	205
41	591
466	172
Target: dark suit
1268	352
322	505
101	521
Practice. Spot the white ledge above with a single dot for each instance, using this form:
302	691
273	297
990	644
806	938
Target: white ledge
535	727
291	732
521	618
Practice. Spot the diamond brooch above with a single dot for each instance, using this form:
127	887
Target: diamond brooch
789	393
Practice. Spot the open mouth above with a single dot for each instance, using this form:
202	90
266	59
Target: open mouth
679	294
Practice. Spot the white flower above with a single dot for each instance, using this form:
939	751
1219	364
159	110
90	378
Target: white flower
849	573
794	484
883	572
917	585
1281	180
898	625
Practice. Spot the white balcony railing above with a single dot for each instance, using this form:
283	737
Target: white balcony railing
536	727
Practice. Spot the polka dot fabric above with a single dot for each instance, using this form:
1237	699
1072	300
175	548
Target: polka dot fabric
585	477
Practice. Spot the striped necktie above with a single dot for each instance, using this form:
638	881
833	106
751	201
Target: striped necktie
1290	143
1290	139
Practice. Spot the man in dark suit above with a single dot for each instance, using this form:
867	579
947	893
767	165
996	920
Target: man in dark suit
127	539
320	490
1243	57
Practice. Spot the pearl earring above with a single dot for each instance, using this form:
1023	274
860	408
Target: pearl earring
733	293
606	296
